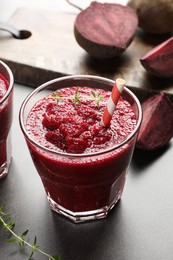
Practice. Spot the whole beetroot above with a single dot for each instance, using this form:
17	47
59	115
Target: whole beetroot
105	30
155	16
157	124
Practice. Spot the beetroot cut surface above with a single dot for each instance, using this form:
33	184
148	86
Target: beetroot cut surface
159	60
157	125
105	30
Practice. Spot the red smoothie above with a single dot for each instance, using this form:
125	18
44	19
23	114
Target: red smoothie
69	121
5	123
3	86
82	164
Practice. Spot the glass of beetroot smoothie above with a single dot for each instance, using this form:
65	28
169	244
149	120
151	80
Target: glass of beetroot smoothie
82	164
6	107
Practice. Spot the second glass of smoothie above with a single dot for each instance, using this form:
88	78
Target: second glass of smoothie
82	164
6	115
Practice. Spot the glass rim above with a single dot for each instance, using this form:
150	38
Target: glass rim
11	82
106	80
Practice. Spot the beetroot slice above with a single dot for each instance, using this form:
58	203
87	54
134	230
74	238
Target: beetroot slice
105	30
157	124
159	60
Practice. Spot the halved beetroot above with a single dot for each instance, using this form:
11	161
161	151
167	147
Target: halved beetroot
105	30
159	60
157	124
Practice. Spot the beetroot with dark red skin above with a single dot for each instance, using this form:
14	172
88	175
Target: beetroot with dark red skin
159	60
157	124
155	16
105	30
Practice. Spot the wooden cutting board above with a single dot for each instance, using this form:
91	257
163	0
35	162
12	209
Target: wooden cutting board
52	51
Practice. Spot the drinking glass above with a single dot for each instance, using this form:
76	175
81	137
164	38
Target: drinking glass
6	114
81	187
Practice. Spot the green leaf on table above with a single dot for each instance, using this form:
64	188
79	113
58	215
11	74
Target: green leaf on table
9	226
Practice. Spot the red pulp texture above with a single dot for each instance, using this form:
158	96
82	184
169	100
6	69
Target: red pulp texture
69	121
5	118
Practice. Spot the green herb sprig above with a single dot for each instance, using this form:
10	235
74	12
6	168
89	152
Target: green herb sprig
76	98
20	239
97	98
57	96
